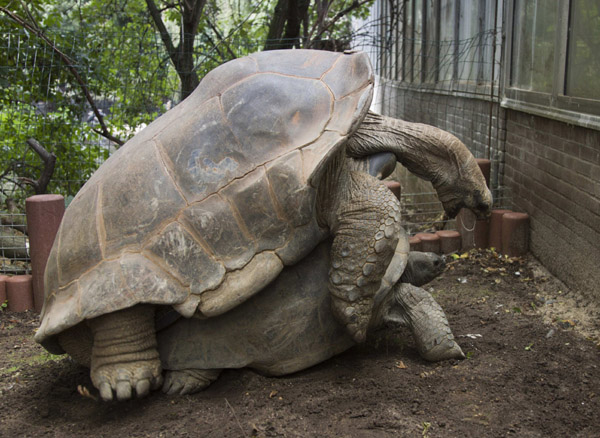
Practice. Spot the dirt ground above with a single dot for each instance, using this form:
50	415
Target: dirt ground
532	370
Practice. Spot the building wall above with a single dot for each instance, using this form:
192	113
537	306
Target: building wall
546	168
553	170
540	165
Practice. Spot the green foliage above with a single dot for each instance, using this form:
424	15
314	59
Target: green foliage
119	55
122	64
61	134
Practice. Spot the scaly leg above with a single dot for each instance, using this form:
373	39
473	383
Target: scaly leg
415	308
365	229
124	355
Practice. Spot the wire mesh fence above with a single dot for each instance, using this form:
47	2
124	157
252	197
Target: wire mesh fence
441	63
435	63
14	245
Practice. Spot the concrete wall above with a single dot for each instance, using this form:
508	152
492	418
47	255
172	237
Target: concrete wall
553	170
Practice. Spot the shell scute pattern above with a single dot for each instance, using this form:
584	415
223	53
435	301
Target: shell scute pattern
225	151
176	250
203	154
250	196
137	198
215	220
78	247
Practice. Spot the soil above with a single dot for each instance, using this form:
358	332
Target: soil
532	370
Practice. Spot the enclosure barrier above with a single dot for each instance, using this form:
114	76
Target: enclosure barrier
44	214
3	279
505	230
450	241
19	293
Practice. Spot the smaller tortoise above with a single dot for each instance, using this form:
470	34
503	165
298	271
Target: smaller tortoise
289	326
206	206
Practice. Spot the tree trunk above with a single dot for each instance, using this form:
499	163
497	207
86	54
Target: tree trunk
291	36
185	69
277	26
181	56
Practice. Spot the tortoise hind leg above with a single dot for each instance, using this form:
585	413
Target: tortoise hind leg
188	381
124	354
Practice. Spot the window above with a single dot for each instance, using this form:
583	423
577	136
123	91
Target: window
534	38
446	41
444	44
583	68
552	66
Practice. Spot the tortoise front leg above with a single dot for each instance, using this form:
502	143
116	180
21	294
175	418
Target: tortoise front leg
124	354
413	307
366	229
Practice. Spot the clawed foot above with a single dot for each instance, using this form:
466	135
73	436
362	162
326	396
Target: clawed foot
124	356
446	349
355	316
415	308
126	380
188	381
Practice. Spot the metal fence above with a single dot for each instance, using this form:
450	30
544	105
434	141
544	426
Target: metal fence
418	78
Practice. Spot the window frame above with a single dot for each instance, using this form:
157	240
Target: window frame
556	104
407	74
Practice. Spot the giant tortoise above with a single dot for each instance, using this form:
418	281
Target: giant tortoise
204	207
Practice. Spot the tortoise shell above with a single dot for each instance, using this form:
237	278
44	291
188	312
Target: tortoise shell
205	206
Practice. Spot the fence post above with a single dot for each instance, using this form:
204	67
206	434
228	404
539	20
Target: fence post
44	214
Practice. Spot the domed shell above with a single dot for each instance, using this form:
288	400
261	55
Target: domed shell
223	182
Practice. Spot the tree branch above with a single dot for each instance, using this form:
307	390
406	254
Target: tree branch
215	46
70	65
324	27
196	13
49	160
221	39
164	33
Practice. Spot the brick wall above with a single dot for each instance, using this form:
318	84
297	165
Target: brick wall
553	170
550	170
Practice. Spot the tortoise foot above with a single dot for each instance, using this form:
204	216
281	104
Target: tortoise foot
188	381
446	349
125	360
126	380
417	309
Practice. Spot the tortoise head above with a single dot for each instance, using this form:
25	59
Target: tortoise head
465	188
